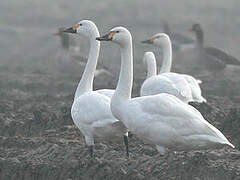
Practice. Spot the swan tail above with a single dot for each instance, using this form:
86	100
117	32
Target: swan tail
200	99
230	144
199	81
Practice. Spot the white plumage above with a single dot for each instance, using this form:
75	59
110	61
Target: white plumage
183	86
91	109
161	119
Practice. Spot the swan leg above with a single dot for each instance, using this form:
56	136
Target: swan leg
125	139
90	142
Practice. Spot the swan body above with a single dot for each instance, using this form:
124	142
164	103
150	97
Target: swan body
95	119
183	86
162	119
91	109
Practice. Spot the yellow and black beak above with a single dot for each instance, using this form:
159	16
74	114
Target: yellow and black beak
149	41
106	37
71	29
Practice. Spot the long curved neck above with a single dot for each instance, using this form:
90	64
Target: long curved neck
167	57
86	82
124	86
151	68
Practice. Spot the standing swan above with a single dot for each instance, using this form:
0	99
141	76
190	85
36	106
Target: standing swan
161	119
183	86
91	109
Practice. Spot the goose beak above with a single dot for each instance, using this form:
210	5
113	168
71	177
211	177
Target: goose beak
70	30
106	37
149	41
56	33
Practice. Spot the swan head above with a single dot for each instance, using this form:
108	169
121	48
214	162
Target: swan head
147	57
119	35
160	39
86	28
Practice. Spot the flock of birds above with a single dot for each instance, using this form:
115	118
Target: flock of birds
161	115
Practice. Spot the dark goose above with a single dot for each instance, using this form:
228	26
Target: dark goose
211	58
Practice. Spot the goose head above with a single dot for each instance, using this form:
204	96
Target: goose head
85	28
160	39
196	28
118	35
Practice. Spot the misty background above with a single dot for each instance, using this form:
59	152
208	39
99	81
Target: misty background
27	27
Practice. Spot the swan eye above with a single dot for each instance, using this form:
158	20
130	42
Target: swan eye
80	24
117	31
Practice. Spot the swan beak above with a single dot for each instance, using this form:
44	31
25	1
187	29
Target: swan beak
149	41
106	37
70	30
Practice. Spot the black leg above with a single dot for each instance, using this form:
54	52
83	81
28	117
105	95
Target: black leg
130	135
91	150
125	138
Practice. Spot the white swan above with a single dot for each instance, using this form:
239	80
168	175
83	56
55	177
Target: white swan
183	86
161	119
91	109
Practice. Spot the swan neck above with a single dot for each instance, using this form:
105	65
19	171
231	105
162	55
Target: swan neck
167	57
124	86
86	82
151	68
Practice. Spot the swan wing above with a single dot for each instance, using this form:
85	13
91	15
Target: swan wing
161	84
195	88
180	84
92	109
158	84
167	121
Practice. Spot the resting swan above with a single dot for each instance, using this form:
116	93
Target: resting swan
183	86
91	109
161	119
